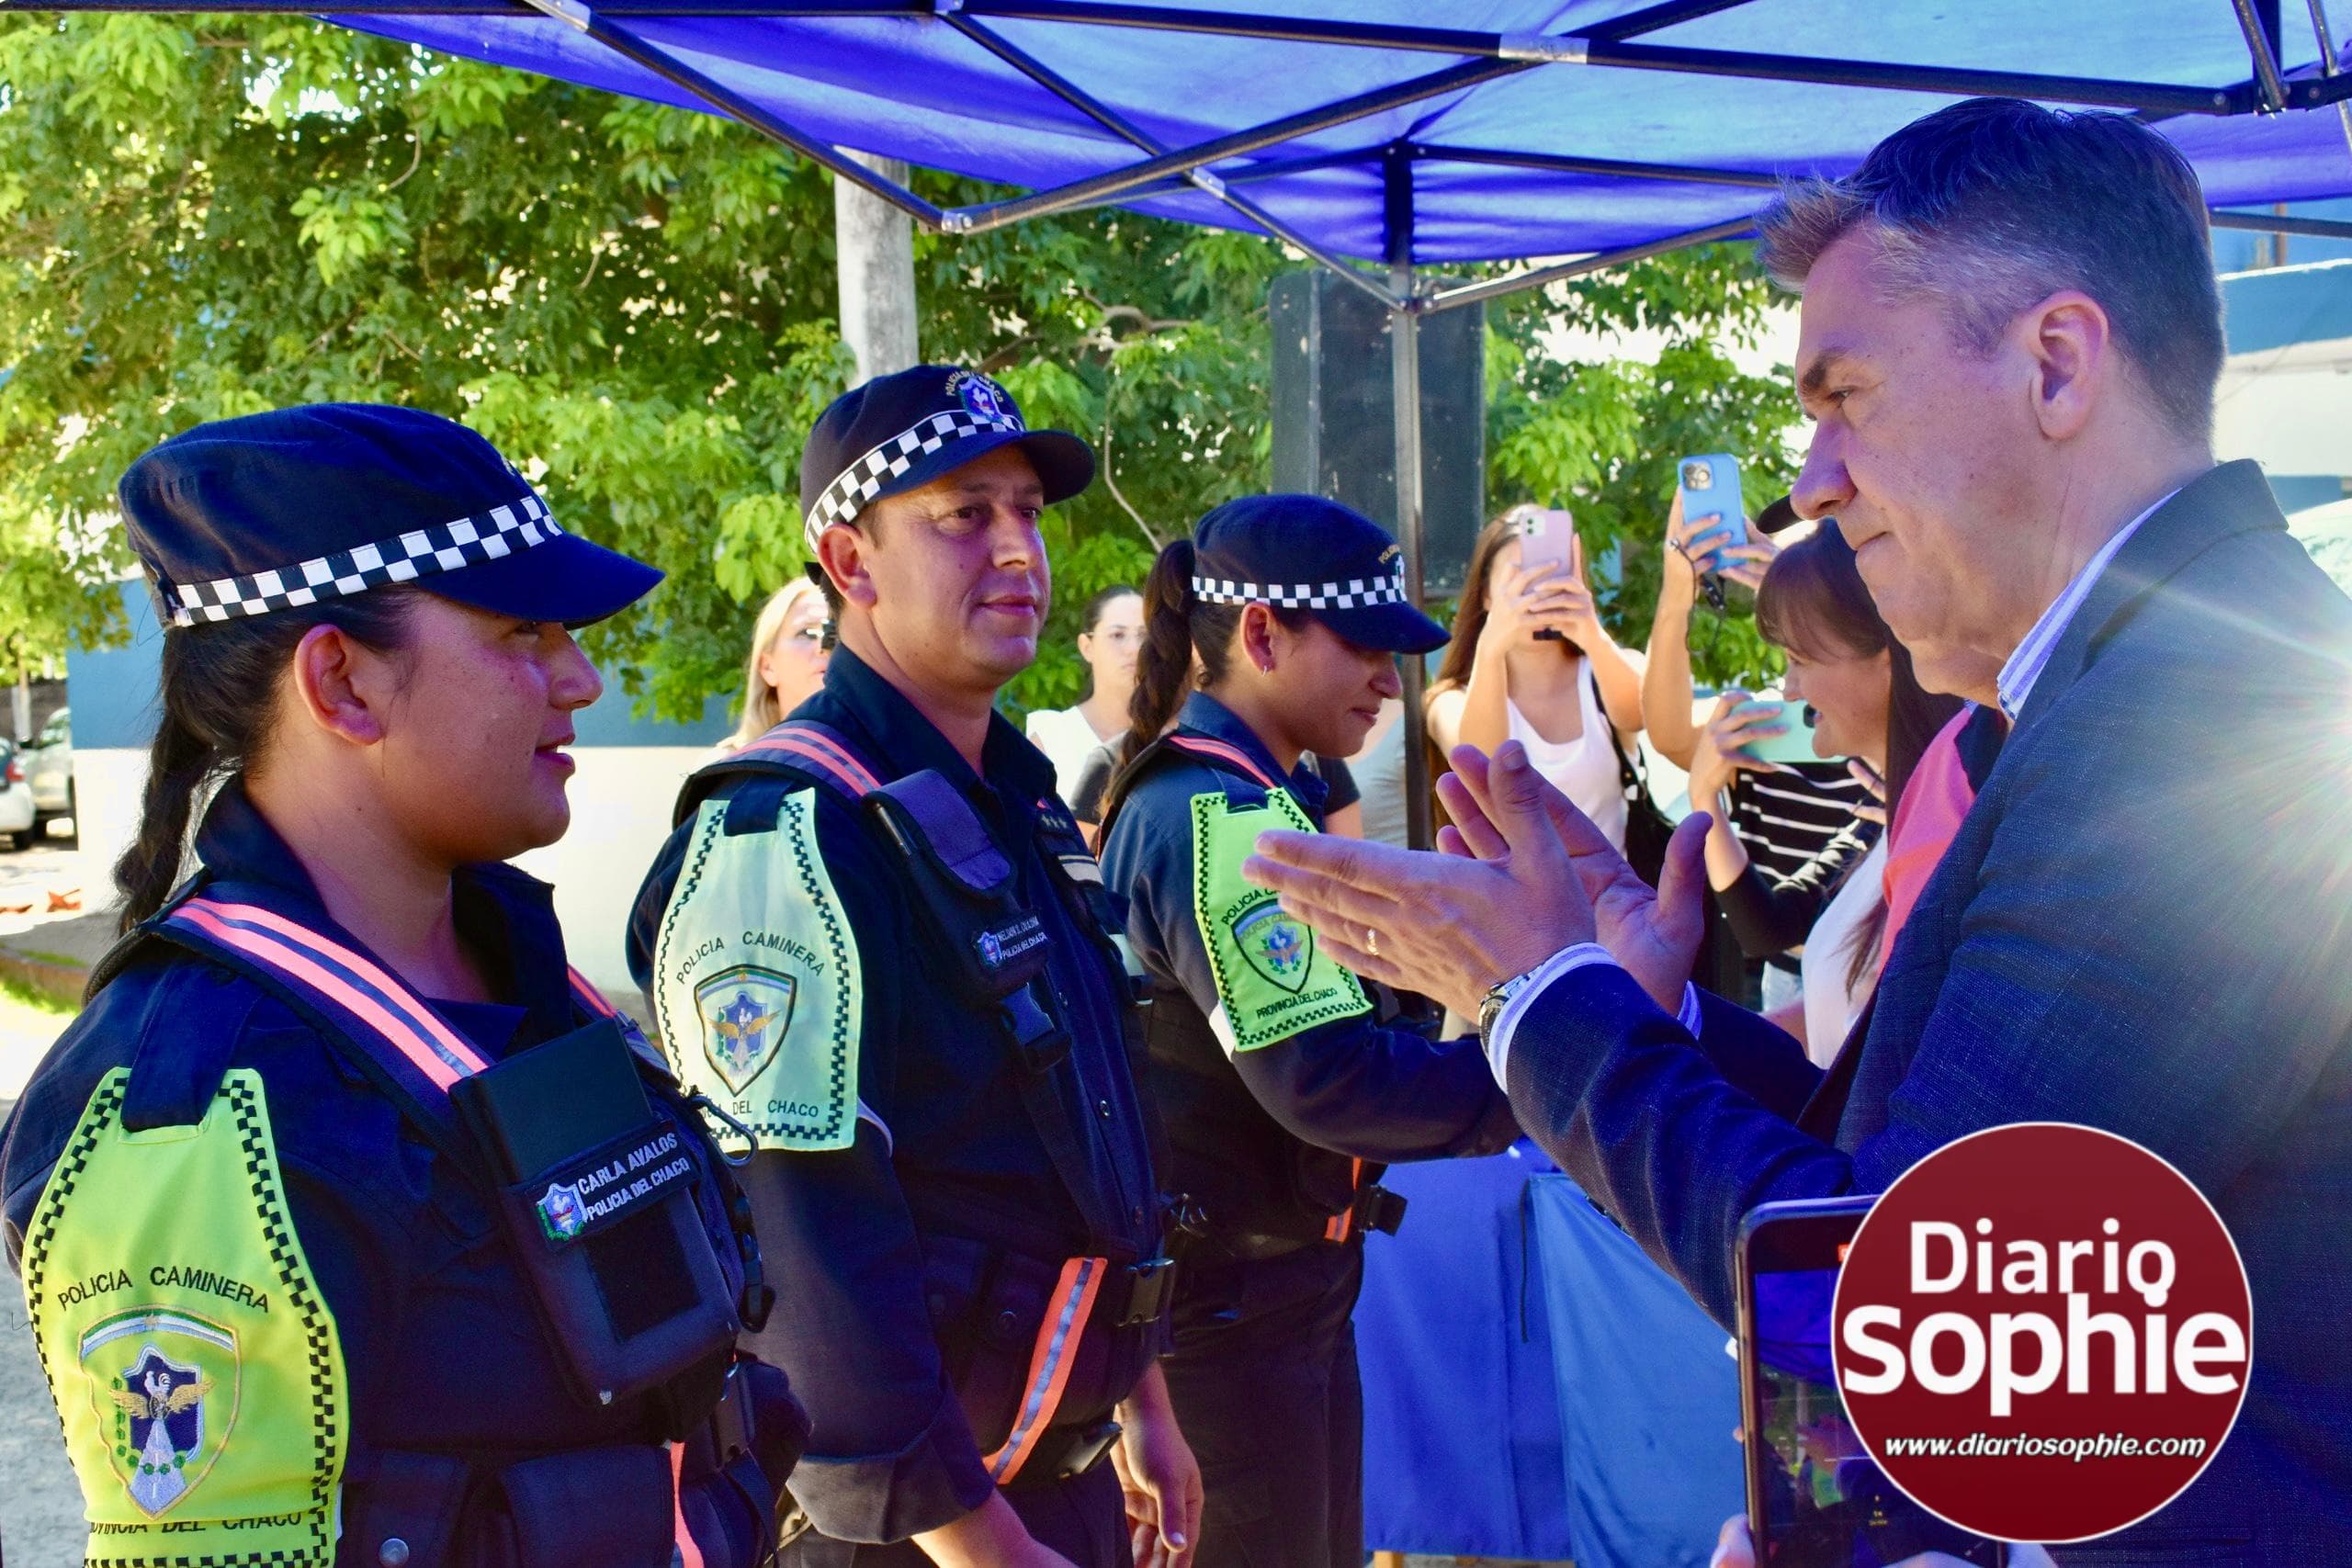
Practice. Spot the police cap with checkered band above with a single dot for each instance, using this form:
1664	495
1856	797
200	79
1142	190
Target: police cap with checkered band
298	506
899	432
1302	552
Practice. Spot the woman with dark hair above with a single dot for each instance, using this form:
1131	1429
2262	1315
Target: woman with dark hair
1848	668
1531	662
355	1227
1110	633
1279	1076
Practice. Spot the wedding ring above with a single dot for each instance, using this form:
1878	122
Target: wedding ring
1372	942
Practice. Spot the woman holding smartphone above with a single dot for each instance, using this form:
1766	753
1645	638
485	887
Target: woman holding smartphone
1848	668
1531	662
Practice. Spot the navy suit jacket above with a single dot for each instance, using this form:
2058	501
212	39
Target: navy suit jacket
2143	924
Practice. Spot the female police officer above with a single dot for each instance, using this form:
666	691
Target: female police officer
353	1228
1265	1055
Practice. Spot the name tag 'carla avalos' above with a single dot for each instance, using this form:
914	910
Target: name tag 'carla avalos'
757	984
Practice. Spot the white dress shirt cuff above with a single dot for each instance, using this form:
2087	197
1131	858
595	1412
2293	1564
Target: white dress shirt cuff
1498	1042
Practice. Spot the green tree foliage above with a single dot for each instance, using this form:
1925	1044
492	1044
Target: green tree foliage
201	218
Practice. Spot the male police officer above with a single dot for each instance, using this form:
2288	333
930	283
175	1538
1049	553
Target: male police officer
877	943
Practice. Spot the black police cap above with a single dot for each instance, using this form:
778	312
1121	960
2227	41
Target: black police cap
1302	552
280	510
899	432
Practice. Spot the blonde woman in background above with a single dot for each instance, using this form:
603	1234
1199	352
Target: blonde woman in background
786	663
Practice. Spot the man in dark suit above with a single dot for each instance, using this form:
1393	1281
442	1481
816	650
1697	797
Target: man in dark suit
2010	338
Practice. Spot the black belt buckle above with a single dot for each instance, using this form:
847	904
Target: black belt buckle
1378	1209
1150	1284
1087	1447
1041	1043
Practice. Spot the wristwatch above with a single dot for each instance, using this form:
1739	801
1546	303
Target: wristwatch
1498	997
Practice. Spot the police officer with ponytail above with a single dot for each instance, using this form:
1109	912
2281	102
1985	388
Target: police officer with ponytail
1284	1081
878	943
354	1228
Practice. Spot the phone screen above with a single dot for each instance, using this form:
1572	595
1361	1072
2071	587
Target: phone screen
1814	1496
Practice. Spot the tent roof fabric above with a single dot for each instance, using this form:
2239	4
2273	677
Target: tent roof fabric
1516	155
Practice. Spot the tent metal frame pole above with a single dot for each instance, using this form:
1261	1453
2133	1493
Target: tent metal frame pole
2278	223
1453	79
1404	396
1494	289
628	44
1054	83
2327	67
2258	19
1605	168
1597	48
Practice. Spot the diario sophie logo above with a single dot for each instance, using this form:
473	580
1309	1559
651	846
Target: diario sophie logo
2042	1333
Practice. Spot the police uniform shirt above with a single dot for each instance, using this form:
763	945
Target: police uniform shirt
1340	1081
447	1364
944	1152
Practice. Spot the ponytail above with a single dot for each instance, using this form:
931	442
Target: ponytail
177	765
218	693
1164	664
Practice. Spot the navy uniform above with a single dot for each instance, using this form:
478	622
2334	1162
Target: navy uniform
316	1275
1283	1079
901	977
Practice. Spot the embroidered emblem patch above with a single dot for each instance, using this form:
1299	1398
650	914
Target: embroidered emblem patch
759	990
561	1214
1275	945
1273	980
745	1011
164	1384
982	398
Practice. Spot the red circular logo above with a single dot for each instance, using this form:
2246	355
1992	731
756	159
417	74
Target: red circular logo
2042	1333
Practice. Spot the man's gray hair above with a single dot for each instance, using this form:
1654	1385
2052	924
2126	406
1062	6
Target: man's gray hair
1995	204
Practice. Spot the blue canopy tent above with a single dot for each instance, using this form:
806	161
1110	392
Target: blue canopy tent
1363	132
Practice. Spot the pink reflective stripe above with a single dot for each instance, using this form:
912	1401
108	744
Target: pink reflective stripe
590	996
818	749
440	1056
1050	1364
1201	746
689	1554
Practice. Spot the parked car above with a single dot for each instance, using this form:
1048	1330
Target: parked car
48	768
19	823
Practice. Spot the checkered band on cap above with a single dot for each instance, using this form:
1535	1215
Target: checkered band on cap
503	530
854	486
1354	593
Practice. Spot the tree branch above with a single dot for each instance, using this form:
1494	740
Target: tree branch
1110	480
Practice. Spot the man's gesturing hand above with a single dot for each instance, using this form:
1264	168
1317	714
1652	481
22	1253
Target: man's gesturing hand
1449	926
1653	933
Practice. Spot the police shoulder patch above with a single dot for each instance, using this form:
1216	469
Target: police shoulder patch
757	983
1271	979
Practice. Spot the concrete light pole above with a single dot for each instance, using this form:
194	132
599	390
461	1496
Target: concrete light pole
875	245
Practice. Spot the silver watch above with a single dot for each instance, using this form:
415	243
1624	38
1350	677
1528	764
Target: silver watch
1498	997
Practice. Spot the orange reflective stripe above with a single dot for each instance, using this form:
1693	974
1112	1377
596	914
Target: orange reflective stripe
794	740
689	1554
1342	1224
430	1045
1050	1364
1200	745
